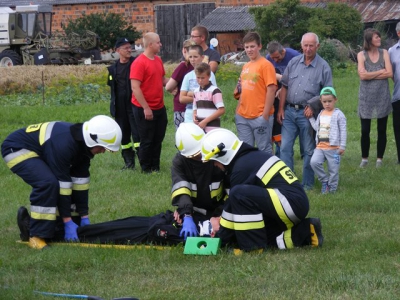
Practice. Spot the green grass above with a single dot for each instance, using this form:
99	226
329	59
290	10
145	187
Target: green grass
361	222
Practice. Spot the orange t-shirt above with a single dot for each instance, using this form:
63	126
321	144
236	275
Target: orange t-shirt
255	78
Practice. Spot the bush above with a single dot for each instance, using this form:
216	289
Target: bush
108	26
334	52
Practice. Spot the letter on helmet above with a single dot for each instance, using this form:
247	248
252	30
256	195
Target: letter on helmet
102	131
188	139
221	145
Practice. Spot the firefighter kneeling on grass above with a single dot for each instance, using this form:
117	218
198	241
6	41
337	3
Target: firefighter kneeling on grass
267	206
54	158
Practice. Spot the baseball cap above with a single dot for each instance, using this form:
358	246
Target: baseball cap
122	41
328	91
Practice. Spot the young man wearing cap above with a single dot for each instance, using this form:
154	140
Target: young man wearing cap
331	136
120	106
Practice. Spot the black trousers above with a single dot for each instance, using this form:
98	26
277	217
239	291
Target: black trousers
253	219
396	126
126	120
152	134
365	138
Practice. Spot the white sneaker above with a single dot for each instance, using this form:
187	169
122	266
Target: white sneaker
378	163
363	164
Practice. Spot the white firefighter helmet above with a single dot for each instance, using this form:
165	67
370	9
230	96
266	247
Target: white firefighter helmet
221	145
102	131
188	139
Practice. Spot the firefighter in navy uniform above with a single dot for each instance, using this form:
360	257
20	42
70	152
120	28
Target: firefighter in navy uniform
120	105
267	206
197	187
197	192
54	158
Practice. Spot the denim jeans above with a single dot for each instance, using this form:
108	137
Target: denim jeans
296	124
333	161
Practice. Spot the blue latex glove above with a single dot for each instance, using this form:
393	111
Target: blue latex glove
85	221
188	227
70	231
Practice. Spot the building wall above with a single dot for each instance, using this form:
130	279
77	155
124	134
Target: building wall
140	13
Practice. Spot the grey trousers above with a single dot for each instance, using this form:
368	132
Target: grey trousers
333	161
256	132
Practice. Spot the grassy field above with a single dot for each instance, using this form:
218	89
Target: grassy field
360	258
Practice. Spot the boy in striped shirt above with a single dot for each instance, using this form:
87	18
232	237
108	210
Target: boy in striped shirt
208	105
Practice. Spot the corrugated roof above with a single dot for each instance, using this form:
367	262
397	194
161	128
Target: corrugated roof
236	18
229	19
377	10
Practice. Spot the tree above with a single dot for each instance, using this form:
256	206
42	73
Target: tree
287	20
284	21
108	26
337	21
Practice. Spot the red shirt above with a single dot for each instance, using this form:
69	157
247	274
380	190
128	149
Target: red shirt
150	72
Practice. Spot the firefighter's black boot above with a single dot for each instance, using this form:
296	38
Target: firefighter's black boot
129	159
23	219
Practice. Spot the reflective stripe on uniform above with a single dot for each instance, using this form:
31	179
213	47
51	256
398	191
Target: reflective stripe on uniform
200	210
127	146
65	188
283	208
284	240
269	169
80	183
15	158
45	132
216	190
184	188
136	145
43	213
241	222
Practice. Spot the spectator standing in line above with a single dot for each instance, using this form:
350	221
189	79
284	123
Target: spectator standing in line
331	136
189	83
279	57
304	78
199	35
374	69
208	106
175	82
394	54
148	79
120	106
254	113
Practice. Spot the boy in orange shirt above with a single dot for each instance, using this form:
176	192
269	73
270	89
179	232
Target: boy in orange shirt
254	113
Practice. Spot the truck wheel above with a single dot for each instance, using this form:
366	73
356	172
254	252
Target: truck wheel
9	58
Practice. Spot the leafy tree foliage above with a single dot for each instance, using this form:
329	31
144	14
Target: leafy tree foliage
284	21
337	21
108	26
287	20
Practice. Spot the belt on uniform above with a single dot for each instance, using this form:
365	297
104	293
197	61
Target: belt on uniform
297	106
